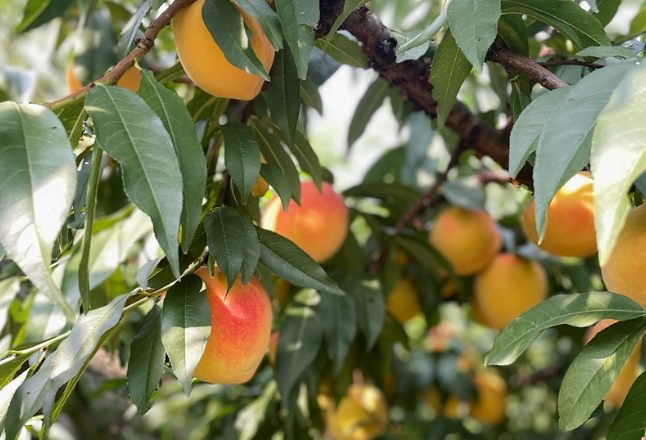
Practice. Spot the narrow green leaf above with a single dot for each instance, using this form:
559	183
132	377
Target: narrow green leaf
565	16
607	51
631	420
94	51
344	50
307	158
348	8
146	364
178	123
268	139
577	310
607	10
310	94
226	26
129	32
564	144
37	186
474	25
186	327
368	105
6	395
289	262
241	156
9	288
130	132
299	342
250	417
412	54
278	181
427	34
370	306
10	365
618	156
513	32
449	70
594	371
297	18
39	12
268	19
339	327
232	238
528	127
283	99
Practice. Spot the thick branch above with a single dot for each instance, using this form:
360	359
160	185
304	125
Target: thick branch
144	45
513	61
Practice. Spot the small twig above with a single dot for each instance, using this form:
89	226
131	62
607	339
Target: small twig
571	63
183	79
523	64
539	376
143	46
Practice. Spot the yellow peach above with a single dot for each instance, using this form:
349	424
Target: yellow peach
403	301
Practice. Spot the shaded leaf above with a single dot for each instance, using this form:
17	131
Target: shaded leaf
268	19
368	105
427	34
297	18
344	50
278	181
283	99
339	327
129	32
39	12
607	51
629	423
310	94
307	158
241	156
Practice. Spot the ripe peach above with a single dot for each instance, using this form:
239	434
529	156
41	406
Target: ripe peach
569	230
240	327
624	272
507	287
619	390
403	301
205	63
130	80
318	226
468	239
361	415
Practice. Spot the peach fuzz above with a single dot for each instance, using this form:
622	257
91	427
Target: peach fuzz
624	271
509	286
240	329
569	229
205	63
468	239
318	226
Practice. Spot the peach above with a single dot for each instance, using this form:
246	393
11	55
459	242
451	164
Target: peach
240	327
468	239
205	63
619	390
273	347
403	301
361	415
318	226
508	287
130	80
569	229
624	271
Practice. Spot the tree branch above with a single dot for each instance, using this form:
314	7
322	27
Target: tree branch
523	64
144	44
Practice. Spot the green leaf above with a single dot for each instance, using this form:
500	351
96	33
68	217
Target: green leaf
250	417
565	16
297	18
186	327
528	127
94	51
310	94
344	50
289	262
607	10
370	306
72	118
607	51
339	327
513	32
278	181
578	310
368	105
268	138
226	26
268	19
283	99
299	342
629	423
9	288
10	365
474	25
28	399
426	35
348	7
232	241
178	123
37	186
241	156
6	395
618	156
449	70
638	24
594	371
129	32
39	12
307	158
413	54
130	132
564	144
146	364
